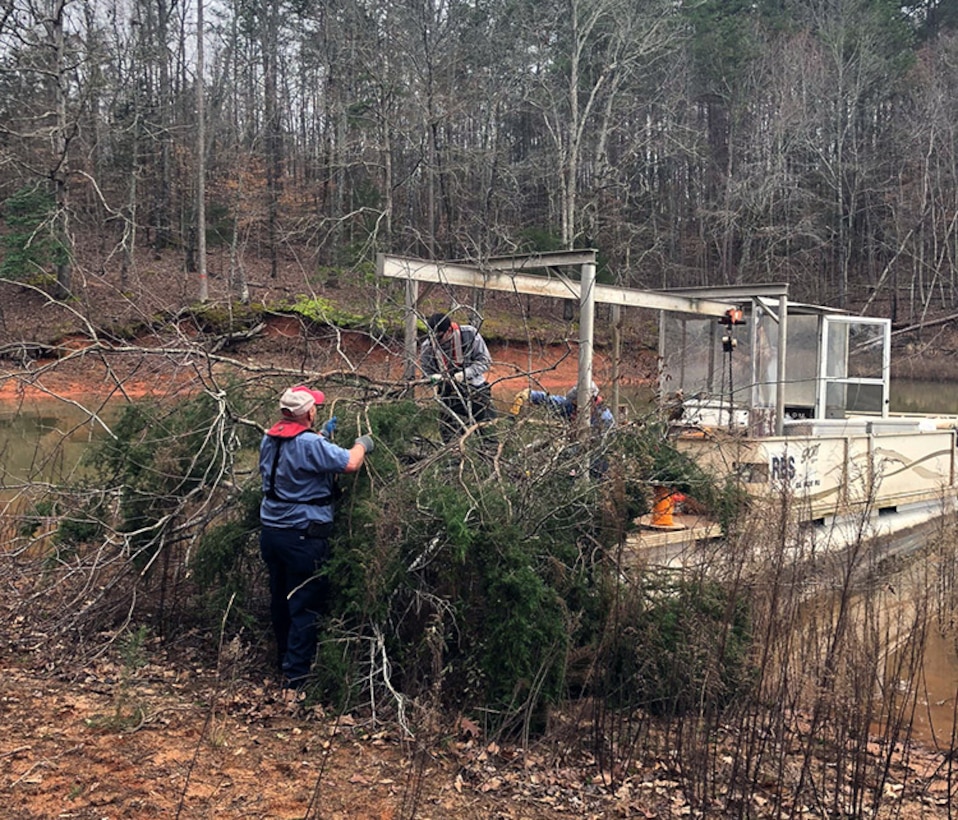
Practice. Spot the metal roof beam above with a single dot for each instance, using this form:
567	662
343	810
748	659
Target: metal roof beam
769	290
463	275
553	259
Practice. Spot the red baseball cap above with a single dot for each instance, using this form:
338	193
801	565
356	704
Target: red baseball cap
297	401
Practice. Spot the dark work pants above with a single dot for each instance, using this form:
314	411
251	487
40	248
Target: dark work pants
297	596
465	402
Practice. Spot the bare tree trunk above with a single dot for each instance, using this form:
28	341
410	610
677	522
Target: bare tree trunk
271	108
386	151
237	273
200	159
337	173
62	141
161	192
96	123
130	211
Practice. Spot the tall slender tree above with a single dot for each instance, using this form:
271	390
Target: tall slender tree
63	134
203	294
270	50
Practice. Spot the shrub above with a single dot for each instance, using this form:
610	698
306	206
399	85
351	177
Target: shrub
30	246
324	312
682	646
162	460
474	579
465	574
226	560
461	582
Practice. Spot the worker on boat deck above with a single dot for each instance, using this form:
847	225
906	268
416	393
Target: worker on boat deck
601	419
455	359
567	406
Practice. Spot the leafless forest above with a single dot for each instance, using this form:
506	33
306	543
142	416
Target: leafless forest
705	142
692	142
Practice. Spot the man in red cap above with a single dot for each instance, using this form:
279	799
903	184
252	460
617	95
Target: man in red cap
298	468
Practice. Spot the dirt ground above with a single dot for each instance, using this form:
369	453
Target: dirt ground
176	736
173	737
165	741
171	742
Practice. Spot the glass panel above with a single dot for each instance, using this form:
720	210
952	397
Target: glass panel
686	361
801	373
735	382
865	350
765	354
842	398
694	359
835	401
836	364
864	398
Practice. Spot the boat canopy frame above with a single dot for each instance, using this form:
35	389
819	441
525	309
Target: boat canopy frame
761	308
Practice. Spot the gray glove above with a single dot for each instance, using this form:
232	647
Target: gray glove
366	442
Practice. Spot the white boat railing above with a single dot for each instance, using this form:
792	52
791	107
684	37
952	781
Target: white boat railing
835	466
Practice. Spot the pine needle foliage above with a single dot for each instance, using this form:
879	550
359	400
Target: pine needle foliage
30	248
167	483
464	576
472	575
226	562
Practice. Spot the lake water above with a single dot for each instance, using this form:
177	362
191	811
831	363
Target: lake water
42	440
924	397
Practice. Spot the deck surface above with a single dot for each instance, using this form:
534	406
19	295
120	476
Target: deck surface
663	547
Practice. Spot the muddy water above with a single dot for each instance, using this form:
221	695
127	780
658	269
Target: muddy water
934	719
43	439
903	610
913	396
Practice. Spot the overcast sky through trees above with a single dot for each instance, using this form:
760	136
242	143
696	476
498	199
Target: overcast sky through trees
720	141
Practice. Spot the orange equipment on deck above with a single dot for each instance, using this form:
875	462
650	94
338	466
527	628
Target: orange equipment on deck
663	509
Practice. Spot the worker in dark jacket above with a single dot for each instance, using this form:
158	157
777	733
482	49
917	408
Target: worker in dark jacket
298	468
456	359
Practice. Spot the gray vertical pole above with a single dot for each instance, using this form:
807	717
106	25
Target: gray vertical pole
412	298
616	356
886	371
660	365
586	341
782	358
